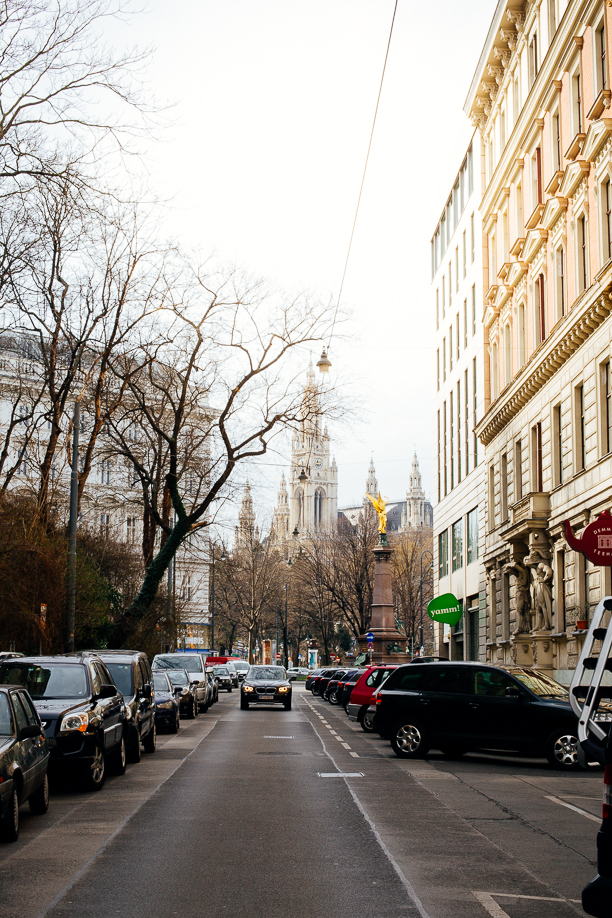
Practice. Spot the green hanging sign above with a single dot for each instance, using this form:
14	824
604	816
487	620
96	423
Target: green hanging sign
445	608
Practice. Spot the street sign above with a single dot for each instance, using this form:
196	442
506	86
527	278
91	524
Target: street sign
370	636
370	645
446	609
278	656
596	541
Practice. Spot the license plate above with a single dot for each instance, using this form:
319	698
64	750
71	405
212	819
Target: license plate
266	697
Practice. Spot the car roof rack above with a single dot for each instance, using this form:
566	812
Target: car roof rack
592	666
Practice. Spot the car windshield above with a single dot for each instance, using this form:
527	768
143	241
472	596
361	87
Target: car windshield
7	727
242	666
122	677
262	673
540	683
178	677
220	670
160	682
47	680
193	664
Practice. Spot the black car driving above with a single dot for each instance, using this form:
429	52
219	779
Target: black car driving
457	707
223	677
24	758
265	685
81	709
132	675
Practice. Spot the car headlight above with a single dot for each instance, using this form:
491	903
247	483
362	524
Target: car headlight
247	688
166	705
74	722
185	691
283	688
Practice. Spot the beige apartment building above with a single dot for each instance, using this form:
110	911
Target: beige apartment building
540	98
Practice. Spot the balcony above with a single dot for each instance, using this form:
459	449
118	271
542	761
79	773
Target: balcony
532	507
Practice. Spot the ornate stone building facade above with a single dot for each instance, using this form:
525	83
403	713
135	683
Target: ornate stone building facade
540	98
413	512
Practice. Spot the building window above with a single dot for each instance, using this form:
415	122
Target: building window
475	406
459	469
580	428
606	220
556	143
494	371
445	451
552	19
457	336
533	59
443	295
467	426
457	545
576	103
491	507
473	310
451	411
522	350
465	324
437	310
582	239
536	456
473	236
601	76
519	210
105	471
456	268
540	309
438	367
606	391
450	283
450	348
557	446
507	355
443	359
503	486
464	252
443	554
105	524
518	471
472	536
561	282
439	458
131	529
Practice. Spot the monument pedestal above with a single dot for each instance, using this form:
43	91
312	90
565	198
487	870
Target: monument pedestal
389	644
521	650
542	650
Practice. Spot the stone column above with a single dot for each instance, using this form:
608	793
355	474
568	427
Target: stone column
389	644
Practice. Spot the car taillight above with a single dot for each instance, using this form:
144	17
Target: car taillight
377	699
607	794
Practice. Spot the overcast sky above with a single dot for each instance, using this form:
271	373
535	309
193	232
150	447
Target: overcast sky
273	107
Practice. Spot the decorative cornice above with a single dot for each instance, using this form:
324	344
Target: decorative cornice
546	361
510	36
497	73
501	54
491	88
574	173
534	242
553	208
597	134
518	18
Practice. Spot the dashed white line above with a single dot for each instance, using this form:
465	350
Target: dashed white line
354	754
576	809
346	745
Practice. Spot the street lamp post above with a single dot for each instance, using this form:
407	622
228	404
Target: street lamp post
285	632
426	552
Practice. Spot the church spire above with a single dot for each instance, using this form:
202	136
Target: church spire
371	482
246	528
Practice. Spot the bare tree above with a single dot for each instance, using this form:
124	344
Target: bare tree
223	385
408	549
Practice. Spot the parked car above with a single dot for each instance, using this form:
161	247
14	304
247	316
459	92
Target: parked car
195	665
242	668
361	697
167	707
183	689
213	685
132	675
266	685
9	655
24	759
83	712
347	687
311	678
223	677
298	671
334	686
456	707
321	680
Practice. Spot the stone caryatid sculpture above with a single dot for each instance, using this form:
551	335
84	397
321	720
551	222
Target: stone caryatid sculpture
541	589
521	592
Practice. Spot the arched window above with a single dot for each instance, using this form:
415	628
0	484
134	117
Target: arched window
300	499
318	507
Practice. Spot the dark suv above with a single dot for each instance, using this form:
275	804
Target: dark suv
458	707
81	709
132	675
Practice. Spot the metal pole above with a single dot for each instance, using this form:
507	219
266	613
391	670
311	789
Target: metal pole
212	614
421	640
72	531
285	632
169	596
276	651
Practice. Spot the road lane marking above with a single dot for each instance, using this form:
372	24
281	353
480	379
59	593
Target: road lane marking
355	755
340	774
333	732
346	745
339	738
496	911
576	809
279	737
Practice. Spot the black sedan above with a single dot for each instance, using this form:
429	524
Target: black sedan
223	677
167	708
266	685
184	690
24	758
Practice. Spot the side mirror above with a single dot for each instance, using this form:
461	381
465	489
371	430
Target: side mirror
147	691
108	691
178	689
30	732
513	691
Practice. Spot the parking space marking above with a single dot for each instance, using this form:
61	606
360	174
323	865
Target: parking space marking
487	900
279	737
339	738
576	809
346	745
354	754
340	774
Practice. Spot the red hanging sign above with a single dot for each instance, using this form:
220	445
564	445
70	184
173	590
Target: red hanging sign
596	541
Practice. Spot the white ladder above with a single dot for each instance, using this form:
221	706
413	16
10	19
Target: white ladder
585	697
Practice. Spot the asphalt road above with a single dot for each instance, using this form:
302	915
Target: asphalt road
271	814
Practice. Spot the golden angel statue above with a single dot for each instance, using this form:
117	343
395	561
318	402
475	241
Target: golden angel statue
379	506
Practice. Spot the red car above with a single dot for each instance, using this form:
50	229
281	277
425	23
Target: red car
361	697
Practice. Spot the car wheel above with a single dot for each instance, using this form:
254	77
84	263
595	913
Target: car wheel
118	761
194	710
333	697
133	752
313	691
95	775
410	740
562	750
366	720
9	827
39	800
177	723
287	705
244	705
149	743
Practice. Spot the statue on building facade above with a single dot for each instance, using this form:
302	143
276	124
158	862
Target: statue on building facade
521	593
542	596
